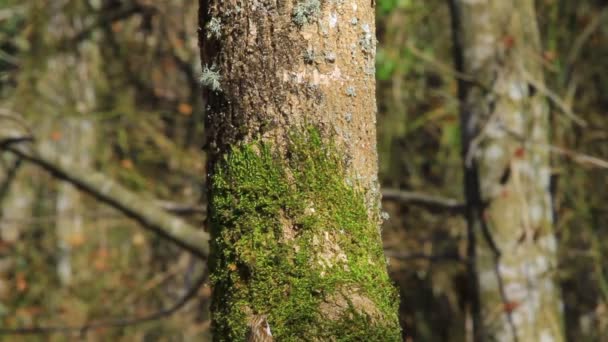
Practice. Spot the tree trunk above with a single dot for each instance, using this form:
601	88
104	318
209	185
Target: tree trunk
505	135
17	197
293	187
77	146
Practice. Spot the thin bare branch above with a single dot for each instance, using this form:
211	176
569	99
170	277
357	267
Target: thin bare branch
425	200
134	205
587	32
423	256
182	209
444	67
7	114
96	214
553	97
575	156
10	175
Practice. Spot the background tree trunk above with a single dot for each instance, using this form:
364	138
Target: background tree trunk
293	171
78	143
17	197
505	135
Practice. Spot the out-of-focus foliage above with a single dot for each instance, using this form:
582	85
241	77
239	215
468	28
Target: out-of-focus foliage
419	145
576	40
419	142
129	68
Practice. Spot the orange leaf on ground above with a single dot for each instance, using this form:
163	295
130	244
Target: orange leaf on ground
184	109
127	164
76	239
549	55
56	135
101	257
100	265
116	27
21	282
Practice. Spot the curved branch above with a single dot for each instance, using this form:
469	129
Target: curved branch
423	256
134	205
11	173
432	202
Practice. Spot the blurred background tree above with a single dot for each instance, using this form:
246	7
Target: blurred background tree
114	85
505	135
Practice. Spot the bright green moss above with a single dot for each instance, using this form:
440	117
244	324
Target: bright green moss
289	235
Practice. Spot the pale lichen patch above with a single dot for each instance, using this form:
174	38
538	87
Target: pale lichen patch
546	336
339	304
536	213
482	50
314	77
548	242
517	90
330	253
333	20
288	229
515	291
494	152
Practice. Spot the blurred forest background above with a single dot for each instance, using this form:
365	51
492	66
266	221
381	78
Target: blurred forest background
113	86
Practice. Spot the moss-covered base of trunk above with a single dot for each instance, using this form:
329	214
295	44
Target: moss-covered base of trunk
294	243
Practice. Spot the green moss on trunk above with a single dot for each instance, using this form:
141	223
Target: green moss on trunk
295	243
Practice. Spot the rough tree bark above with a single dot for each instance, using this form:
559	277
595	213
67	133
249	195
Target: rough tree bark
505	133
293	183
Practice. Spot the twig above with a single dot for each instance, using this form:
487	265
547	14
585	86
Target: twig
553	97
6	142
425	200
182	209
8	179
575	156
136	206
444	67
423	256
579	157
154	282
96	214
8	114
580	41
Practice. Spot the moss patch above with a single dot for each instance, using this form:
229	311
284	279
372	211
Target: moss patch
294	242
